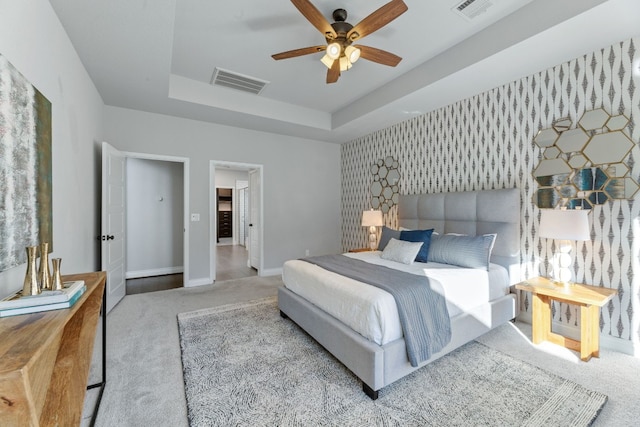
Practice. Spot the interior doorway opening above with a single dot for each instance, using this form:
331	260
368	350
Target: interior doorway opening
167	198
236	220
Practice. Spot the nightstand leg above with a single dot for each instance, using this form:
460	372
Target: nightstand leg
541	322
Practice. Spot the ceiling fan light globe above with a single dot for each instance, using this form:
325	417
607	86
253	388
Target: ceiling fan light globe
352	53
344	63
333	50
327	61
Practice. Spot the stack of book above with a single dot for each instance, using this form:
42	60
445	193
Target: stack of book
47	300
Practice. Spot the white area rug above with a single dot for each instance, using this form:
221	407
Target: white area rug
245	365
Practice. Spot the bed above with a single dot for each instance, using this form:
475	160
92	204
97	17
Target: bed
380	358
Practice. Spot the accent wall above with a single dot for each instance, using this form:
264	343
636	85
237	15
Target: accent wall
486	142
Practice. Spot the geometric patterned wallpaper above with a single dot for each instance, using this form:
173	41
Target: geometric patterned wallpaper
486	142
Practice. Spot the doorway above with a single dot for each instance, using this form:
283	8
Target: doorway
236	236
117	194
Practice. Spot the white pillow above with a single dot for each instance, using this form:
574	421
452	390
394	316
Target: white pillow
401	251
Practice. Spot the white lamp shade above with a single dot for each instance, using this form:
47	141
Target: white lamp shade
372	218
569	224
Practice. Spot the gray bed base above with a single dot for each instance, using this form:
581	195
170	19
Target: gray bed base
380	365
477	212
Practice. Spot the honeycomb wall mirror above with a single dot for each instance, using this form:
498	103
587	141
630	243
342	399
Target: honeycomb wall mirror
584	166
384	188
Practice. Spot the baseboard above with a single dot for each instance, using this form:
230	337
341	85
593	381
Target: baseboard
271	272
154	272
606	341
198	282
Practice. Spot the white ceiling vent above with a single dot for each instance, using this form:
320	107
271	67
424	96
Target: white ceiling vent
471	9
237	81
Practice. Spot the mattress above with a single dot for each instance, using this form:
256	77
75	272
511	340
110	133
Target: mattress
371	311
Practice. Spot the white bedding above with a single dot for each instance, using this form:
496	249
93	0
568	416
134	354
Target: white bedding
371	311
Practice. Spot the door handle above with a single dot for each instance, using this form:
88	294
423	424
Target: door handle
108	237
250	225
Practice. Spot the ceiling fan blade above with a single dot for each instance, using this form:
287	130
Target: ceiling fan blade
378	55
334	72
377	19
316	18
298	52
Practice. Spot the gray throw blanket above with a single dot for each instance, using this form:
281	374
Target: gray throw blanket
423	312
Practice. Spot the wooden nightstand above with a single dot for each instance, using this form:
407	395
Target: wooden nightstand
589	298
361	250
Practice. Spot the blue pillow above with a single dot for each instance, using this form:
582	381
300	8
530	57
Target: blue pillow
387	234
419	236
463	251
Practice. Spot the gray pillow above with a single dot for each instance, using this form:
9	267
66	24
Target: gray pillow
460	250
387	234
401	251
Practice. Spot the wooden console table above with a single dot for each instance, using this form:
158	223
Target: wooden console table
45	359
589	298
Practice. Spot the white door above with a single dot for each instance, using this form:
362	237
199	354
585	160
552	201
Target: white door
242	217
254	219
113	223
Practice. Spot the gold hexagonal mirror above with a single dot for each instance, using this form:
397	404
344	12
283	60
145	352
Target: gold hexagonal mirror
549	167
561	125
546	138
594	119
617	122
610	147
572	140
551	152
621	188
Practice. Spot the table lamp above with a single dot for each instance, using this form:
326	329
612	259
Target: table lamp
372	219
564	225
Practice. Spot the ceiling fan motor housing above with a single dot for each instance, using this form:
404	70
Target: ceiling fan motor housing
341	28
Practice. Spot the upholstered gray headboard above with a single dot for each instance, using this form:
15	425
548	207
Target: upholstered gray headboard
472	213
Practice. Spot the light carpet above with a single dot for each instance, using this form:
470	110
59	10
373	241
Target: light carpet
245	365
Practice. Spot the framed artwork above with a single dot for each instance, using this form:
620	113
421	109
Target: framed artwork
25	167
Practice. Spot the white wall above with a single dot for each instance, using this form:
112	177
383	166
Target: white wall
33	40
155	217
226	178
301	180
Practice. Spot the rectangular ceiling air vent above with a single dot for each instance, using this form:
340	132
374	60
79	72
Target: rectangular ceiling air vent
471	9
237	81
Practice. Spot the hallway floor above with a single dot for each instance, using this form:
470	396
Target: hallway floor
231	264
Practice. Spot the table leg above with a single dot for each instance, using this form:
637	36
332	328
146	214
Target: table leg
589	332
541	322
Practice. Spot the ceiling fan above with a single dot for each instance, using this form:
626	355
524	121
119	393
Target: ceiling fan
340	54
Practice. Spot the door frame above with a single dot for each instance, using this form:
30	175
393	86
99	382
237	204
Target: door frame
185	219
212	214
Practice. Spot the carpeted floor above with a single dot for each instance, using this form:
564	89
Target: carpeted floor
145	382
245	365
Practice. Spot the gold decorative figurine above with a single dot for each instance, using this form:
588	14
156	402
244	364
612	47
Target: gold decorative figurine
30	286
44	277
56	277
